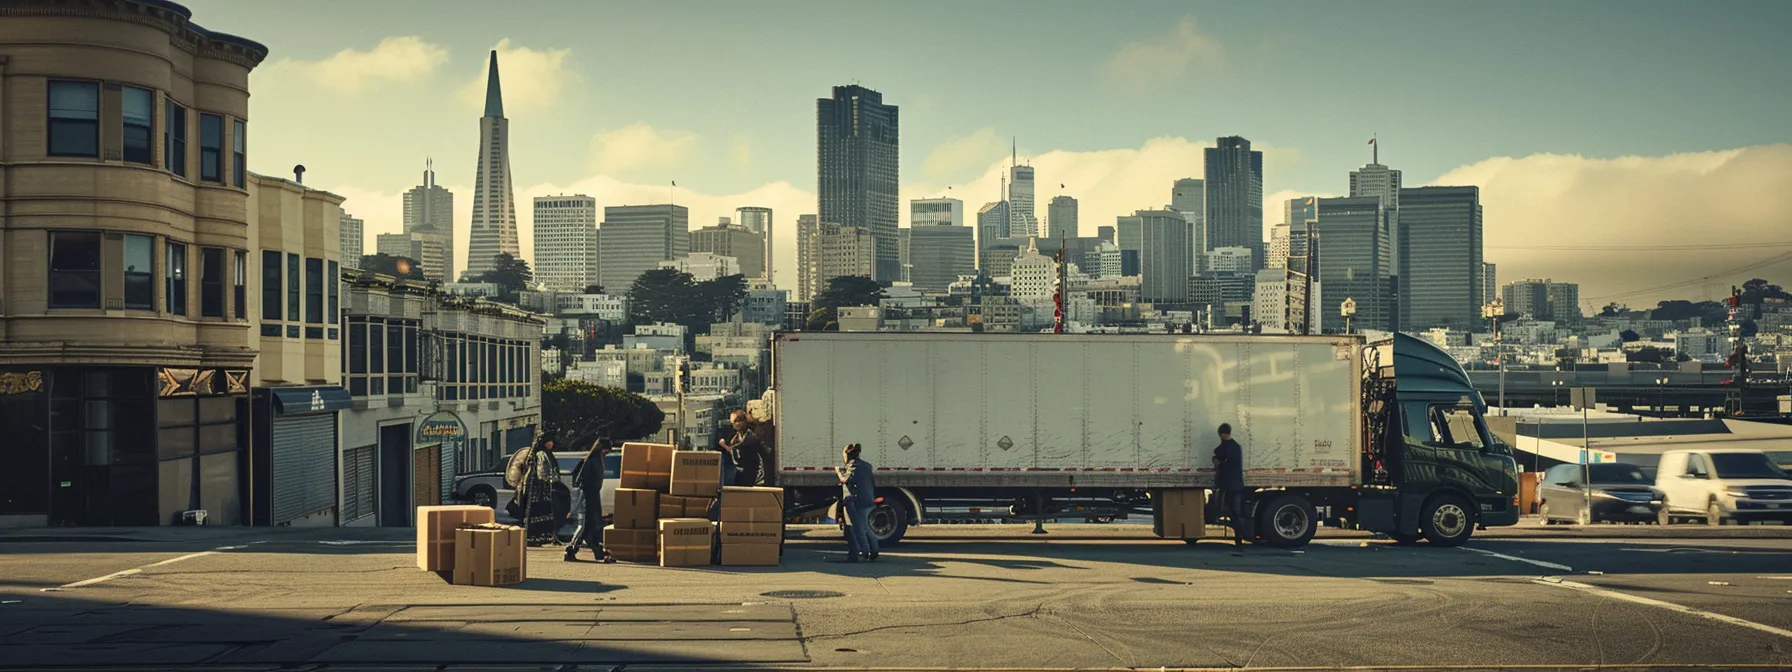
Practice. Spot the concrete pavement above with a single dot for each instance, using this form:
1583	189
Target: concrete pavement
952	597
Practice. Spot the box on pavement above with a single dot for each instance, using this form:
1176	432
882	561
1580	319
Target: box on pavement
685	542
632	545
435	533
1179	513
696	473
737	533
643	462
636	509
752	505
750	555
488	554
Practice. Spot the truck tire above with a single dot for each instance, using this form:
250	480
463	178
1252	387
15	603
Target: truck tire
1288	521
1448	520
888	521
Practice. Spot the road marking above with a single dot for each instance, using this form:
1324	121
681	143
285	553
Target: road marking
1514	558
365	542
1670	606
133	571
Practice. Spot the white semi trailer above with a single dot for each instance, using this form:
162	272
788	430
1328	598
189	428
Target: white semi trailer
1043	426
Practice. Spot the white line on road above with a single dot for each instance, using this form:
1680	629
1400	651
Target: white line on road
1514	558
138	570
1732	620
378	542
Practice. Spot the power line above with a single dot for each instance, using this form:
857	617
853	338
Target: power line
1645	248
1770	261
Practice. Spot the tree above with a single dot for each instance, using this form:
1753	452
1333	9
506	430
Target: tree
594	289
1756	290
1649	354
579	412
670	295
510	274
398	267
825	318
720	298
849	290
1629	336
1614	309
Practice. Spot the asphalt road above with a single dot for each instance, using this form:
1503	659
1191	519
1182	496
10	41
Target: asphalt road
958	597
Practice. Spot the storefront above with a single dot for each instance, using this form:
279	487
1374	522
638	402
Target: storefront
293	464
441	438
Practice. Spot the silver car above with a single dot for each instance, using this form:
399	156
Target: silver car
487	488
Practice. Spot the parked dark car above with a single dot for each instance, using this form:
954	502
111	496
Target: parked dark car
1621	493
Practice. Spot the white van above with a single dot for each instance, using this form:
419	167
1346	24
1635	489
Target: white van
1722	487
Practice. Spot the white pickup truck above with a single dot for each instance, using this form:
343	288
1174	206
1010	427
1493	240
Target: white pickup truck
1722	487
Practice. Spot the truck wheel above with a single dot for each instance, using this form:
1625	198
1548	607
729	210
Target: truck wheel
888	522
1447	521
1288	521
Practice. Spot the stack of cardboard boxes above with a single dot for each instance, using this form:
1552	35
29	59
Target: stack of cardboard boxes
662	505
752	525
464	543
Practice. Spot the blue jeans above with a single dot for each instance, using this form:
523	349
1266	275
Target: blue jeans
859	539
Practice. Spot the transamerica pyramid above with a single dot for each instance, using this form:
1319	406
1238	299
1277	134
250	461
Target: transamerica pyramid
494	211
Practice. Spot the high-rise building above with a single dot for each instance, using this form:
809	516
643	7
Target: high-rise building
566	242
1384	183
1106	233
1543	300
1060	218
429	213
1022	221
808	230
1278	247
1189	197
939	254
924	212
992	228
902	240
354	237
1234	195
1298	214
1158	239
634	239
1564	302
704	265
1490	283
1354	262
733	240
758	220
840	251
1229	260
494	212
1439	257
857	137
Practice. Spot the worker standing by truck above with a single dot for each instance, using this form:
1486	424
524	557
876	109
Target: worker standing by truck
1228	481
858	493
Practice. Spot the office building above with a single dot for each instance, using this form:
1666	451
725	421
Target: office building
1158	239
1440	259
1278	247
902	252
839	251
1229	260
566	242
992	227
925	212
1543	300
1383	183
704	265
413	246
494	212
634	239
353	237
1188	196
1299	214
1234	196
1106	233
1490	284
759	221
939	254
808	230
1022	222
1060	218
1354	262
429	217
730	239
857	137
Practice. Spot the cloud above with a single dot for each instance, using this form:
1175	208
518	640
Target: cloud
530	79
1703	198
394	60
957	156
1164	59
637	146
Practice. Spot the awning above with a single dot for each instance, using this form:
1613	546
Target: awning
309	400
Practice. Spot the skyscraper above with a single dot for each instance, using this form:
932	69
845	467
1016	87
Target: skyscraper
923	212
634	239
494	212
733	240
857	137
1158	239
1384	183
1189	198
1354	253
808	230
1234	196
838	251
1298	214
429	222
758	220
566	242
353	240
1439	257
1544	300
1490	283
1060	218
992	228
1022	222
941	247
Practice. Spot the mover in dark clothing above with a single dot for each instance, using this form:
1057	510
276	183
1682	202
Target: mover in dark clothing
746	451
1228	464
590	482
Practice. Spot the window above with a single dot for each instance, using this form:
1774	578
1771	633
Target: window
174	138
177	279
211	282
139	125
240	290
75	119
1695	466
211	148
395	357
139	272
334	277
376	355
1745	465
270	285
292	287
74	269
238	166
1463	427
314	290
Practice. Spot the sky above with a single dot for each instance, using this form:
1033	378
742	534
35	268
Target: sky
1639	148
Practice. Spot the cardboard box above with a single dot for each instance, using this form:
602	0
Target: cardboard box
696	473
750	555
636	509
750	514
697	507
685	542
638	465
671	506
488	555
1179	513
740	496
435	532
659	466
751	533
632	545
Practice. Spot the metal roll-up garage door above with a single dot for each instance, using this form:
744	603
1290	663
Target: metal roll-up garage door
303	452
447	468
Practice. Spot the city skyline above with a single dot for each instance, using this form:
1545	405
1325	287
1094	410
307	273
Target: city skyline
1630	163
